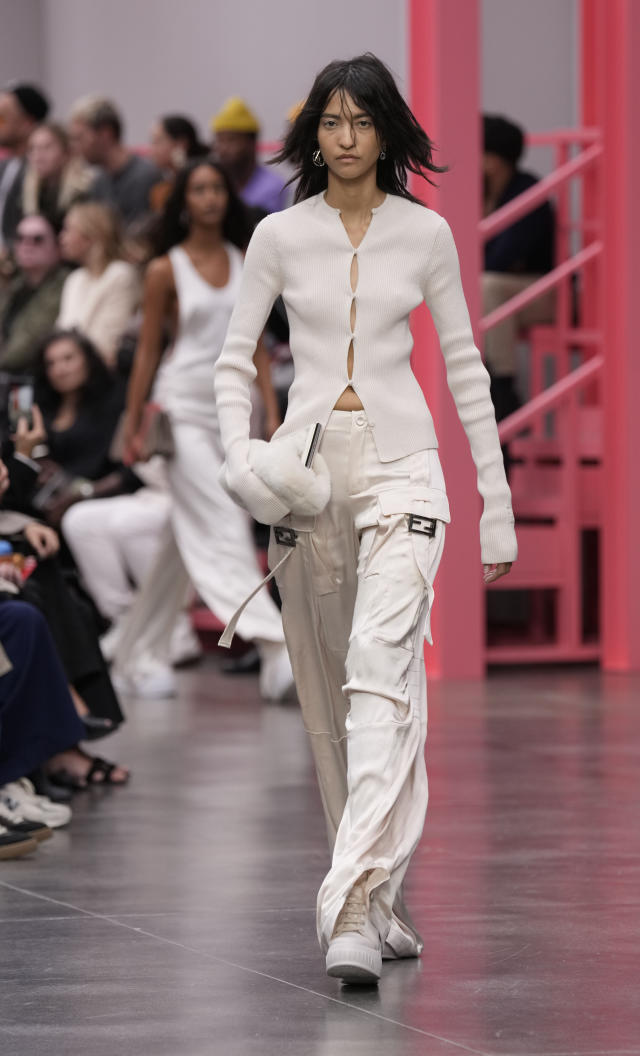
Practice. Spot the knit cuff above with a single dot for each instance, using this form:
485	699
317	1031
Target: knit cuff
498	541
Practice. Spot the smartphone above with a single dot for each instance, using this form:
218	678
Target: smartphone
20	404
311	444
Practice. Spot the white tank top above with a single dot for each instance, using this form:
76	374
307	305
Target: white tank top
184	384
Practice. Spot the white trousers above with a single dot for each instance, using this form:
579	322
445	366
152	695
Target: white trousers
208	541
356	596
114	542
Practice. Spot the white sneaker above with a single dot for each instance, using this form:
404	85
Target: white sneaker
150	679
276	676
109	642
20	798
185	645
355	950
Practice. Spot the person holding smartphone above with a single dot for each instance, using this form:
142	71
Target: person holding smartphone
352	259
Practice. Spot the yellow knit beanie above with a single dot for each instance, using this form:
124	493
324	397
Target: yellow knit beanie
235	116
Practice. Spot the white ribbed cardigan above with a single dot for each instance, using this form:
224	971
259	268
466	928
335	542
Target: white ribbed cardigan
407	255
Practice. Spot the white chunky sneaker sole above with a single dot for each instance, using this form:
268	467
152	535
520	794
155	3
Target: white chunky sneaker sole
354	962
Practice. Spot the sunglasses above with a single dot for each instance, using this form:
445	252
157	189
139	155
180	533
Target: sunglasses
32	240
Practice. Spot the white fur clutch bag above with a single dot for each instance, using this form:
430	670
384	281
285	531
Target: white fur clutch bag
274	482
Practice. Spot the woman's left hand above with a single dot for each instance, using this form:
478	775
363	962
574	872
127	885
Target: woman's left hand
493	572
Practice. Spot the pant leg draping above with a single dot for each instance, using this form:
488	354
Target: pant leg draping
114	542
208	542
356	597
214	536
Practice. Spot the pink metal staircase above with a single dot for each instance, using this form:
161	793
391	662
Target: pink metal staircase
556	439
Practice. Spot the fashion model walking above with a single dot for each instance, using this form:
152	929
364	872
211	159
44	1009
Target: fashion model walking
191	288
352	258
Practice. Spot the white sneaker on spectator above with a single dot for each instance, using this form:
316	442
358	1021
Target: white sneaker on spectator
150	679
276	676
20	798
109	642
185	645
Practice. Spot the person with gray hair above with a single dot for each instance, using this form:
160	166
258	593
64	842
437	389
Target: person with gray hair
95	131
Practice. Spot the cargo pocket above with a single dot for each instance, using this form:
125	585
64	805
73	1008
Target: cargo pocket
426	512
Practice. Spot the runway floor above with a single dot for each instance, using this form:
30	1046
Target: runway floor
176	917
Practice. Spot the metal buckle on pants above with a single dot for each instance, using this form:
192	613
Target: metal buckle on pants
285	536
422	525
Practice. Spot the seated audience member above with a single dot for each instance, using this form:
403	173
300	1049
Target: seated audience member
37	721
22	108
53	179
81	403
513	259
101	295
236	131
174	141
114	543
95	129
29	306
70	622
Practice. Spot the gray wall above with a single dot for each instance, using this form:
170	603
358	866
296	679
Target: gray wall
157	55
530	66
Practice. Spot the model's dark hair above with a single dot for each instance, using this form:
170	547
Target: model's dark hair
372	87
99	381
174	222
179	127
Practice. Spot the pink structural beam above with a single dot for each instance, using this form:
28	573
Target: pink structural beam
444	95
611	99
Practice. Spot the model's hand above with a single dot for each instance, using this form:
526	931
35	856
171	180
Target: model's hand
25	438
44	540
131	441
4	478
493	572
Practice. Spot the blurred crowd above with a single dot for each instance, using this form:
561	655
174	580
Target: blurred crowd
80	219
83	219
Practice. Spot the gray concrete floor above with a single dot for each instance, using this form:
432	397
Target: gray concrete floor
177	916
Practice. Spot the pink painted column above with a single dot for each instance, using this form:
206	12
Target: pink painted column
616	106
444	47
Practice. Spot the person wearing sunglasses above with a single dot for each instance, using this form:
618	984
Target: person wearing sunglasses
29	306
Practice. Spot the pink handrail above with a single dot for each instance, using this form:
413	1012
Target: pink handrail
540	286
525	202
550	398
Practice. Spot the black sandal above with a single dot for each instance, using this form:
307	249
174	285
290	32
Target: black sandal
102	767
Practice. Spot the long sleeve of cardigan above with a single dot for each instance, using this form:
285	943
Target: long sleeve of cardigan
468	381
235	370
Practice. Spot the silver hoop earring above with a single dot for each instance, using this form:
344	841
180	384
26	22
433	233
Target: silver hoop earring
382	155
318	160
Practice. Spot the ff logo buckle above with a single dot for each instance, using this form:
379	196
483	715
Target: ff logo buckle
285	536
422	525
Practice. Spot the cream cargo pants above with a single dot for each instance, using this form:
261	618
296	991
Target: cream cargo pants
356	593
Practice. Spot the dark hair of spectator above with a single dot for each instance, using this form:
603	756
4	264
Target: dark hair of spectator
99	378
174	221
178	127
372	87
